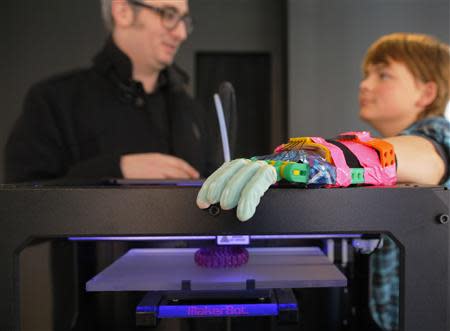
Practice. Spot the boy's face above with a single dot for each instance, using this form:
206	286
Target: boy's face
389	94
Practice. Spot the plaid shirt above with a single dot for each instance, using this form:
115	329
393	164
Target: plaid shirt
384	264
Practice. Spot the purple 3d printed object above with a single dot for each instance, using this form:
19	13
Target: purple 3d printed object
221	257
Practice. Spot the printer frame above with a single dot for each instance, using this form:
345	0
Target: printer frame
415	217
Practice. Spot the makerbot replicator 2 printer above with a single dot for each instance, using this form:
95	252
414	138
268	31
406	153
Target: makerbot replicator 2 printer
124	258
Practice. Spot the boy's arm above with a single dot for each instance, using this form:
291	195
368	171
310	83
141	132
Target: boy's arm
243	182
417	160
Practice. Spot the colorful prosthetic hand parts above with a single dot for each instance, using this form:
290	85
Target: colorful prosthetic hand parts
351	158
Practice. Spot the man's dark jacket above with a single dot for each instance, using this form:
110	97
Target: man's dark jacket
77	125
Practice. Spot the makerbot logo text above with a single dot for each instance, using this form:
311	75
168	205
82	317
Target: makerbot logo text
217	311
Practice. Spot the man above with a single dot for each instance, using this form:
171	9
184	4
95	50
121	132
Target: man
126	116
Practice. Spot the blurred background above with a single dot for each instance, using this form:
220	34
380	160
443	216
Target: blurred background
295	64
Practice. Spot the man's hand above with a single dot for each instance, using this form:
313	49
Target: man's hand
156	166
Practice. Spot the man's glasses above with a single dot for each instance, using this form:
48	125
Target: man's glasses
170	17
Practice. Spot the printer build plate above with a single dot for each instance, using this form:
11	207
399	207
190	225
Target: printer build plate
162	269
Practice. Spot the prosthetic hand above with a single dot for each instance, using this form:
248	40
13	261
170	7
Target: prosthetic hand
351	158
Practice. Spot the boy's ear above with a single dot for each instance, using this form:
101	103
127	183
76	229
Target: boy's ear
428	95
122	13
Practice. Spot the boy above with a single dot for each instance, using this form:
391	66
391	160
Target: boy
403	96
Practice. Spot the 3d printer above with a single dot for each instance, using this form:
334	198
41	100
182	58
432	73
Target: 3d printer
122	257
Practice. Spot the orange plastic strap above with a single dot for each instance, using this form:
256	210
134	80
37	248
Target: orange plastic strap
385	151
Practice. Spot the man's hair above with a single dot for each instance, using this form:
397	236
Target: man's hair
106	6
426	58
